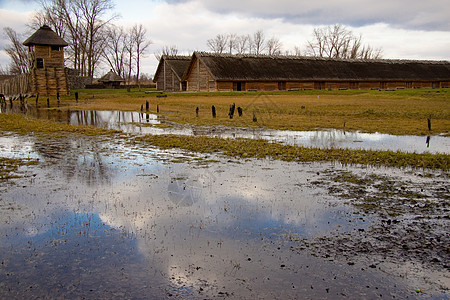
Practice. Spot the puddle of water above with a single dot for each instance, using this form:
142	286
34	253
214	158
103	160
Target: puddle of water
334	138
143	123
107	221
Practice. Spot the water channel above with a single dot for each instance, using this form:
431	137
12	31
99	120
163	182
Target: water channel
99	219
145	123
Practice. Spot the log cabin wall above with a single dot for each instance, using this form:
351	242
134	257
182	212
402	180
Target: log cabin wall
228	86
200	80
224	86
167	80
168	75
160	83
48	75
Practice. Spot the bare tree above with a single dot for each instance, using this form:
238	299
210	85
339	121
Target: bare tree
50	16
258	42
337	41
218	44
317	45
141	44
17	52
115	49
166	51
232	40
273	46
242	44
130	51
92	12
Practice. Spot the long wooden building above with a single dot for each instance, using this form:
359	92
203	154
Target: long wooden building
219	72
170	71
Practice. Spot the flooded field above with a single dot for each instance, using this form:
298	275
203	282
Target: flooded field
105	220
147	123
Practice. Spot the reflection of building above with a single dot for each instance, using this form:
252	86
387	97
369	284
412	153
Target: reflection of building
46	63
170	71
226	72
111	80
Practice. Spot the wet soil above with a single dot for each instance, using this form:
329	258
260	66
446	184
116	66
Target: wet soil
412	210
97	218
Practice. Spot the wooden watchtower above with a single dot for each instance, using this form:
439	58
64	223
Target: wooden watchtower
46	63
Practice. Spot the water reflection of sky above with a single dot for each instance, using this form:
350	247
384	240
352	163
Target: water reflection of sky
146	123
103	219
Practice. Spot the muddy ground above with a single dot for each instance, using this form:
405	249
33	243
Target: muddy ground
98	218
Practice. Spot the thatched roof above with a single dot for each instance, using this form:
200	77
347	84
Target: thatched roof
177	63
45	36
111	76
288	68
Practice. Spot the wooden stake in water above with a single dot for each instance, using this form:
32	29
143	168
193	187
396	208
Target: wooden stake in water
429	124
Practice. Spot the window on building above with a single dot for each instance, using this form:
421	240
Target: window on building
56	48
39	63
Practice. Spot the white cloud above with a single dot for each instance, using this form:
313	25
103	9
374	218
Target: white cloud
402	13
403	29
16	20
189	24
407	44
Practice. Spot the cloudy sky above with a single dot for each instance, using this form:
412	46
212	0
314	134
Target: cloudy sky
404	29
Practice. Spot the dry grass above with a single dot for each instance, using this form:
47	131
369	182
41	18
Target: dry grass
395	112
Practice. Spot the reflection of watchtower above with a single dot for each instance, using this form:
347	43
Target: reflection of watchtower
46	62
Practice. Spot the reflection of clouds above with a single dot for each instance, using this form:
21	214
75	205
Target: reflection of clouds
200	197
235	211
15	147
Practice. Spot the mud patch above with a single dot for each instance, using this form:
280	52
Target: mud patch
411	220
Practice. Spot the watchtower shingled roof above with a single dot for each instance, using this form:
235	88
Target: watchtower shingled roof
45	36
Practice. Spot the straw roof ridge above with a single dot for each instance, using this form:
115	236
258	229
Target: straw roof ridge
176	57
316	58
45	36
111	76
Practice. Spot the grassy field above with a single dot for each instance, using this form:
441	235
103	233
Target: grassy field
395	112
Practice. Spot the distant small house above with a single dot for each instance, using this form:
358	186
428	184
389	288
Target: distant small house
226	72
111	80
170	71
